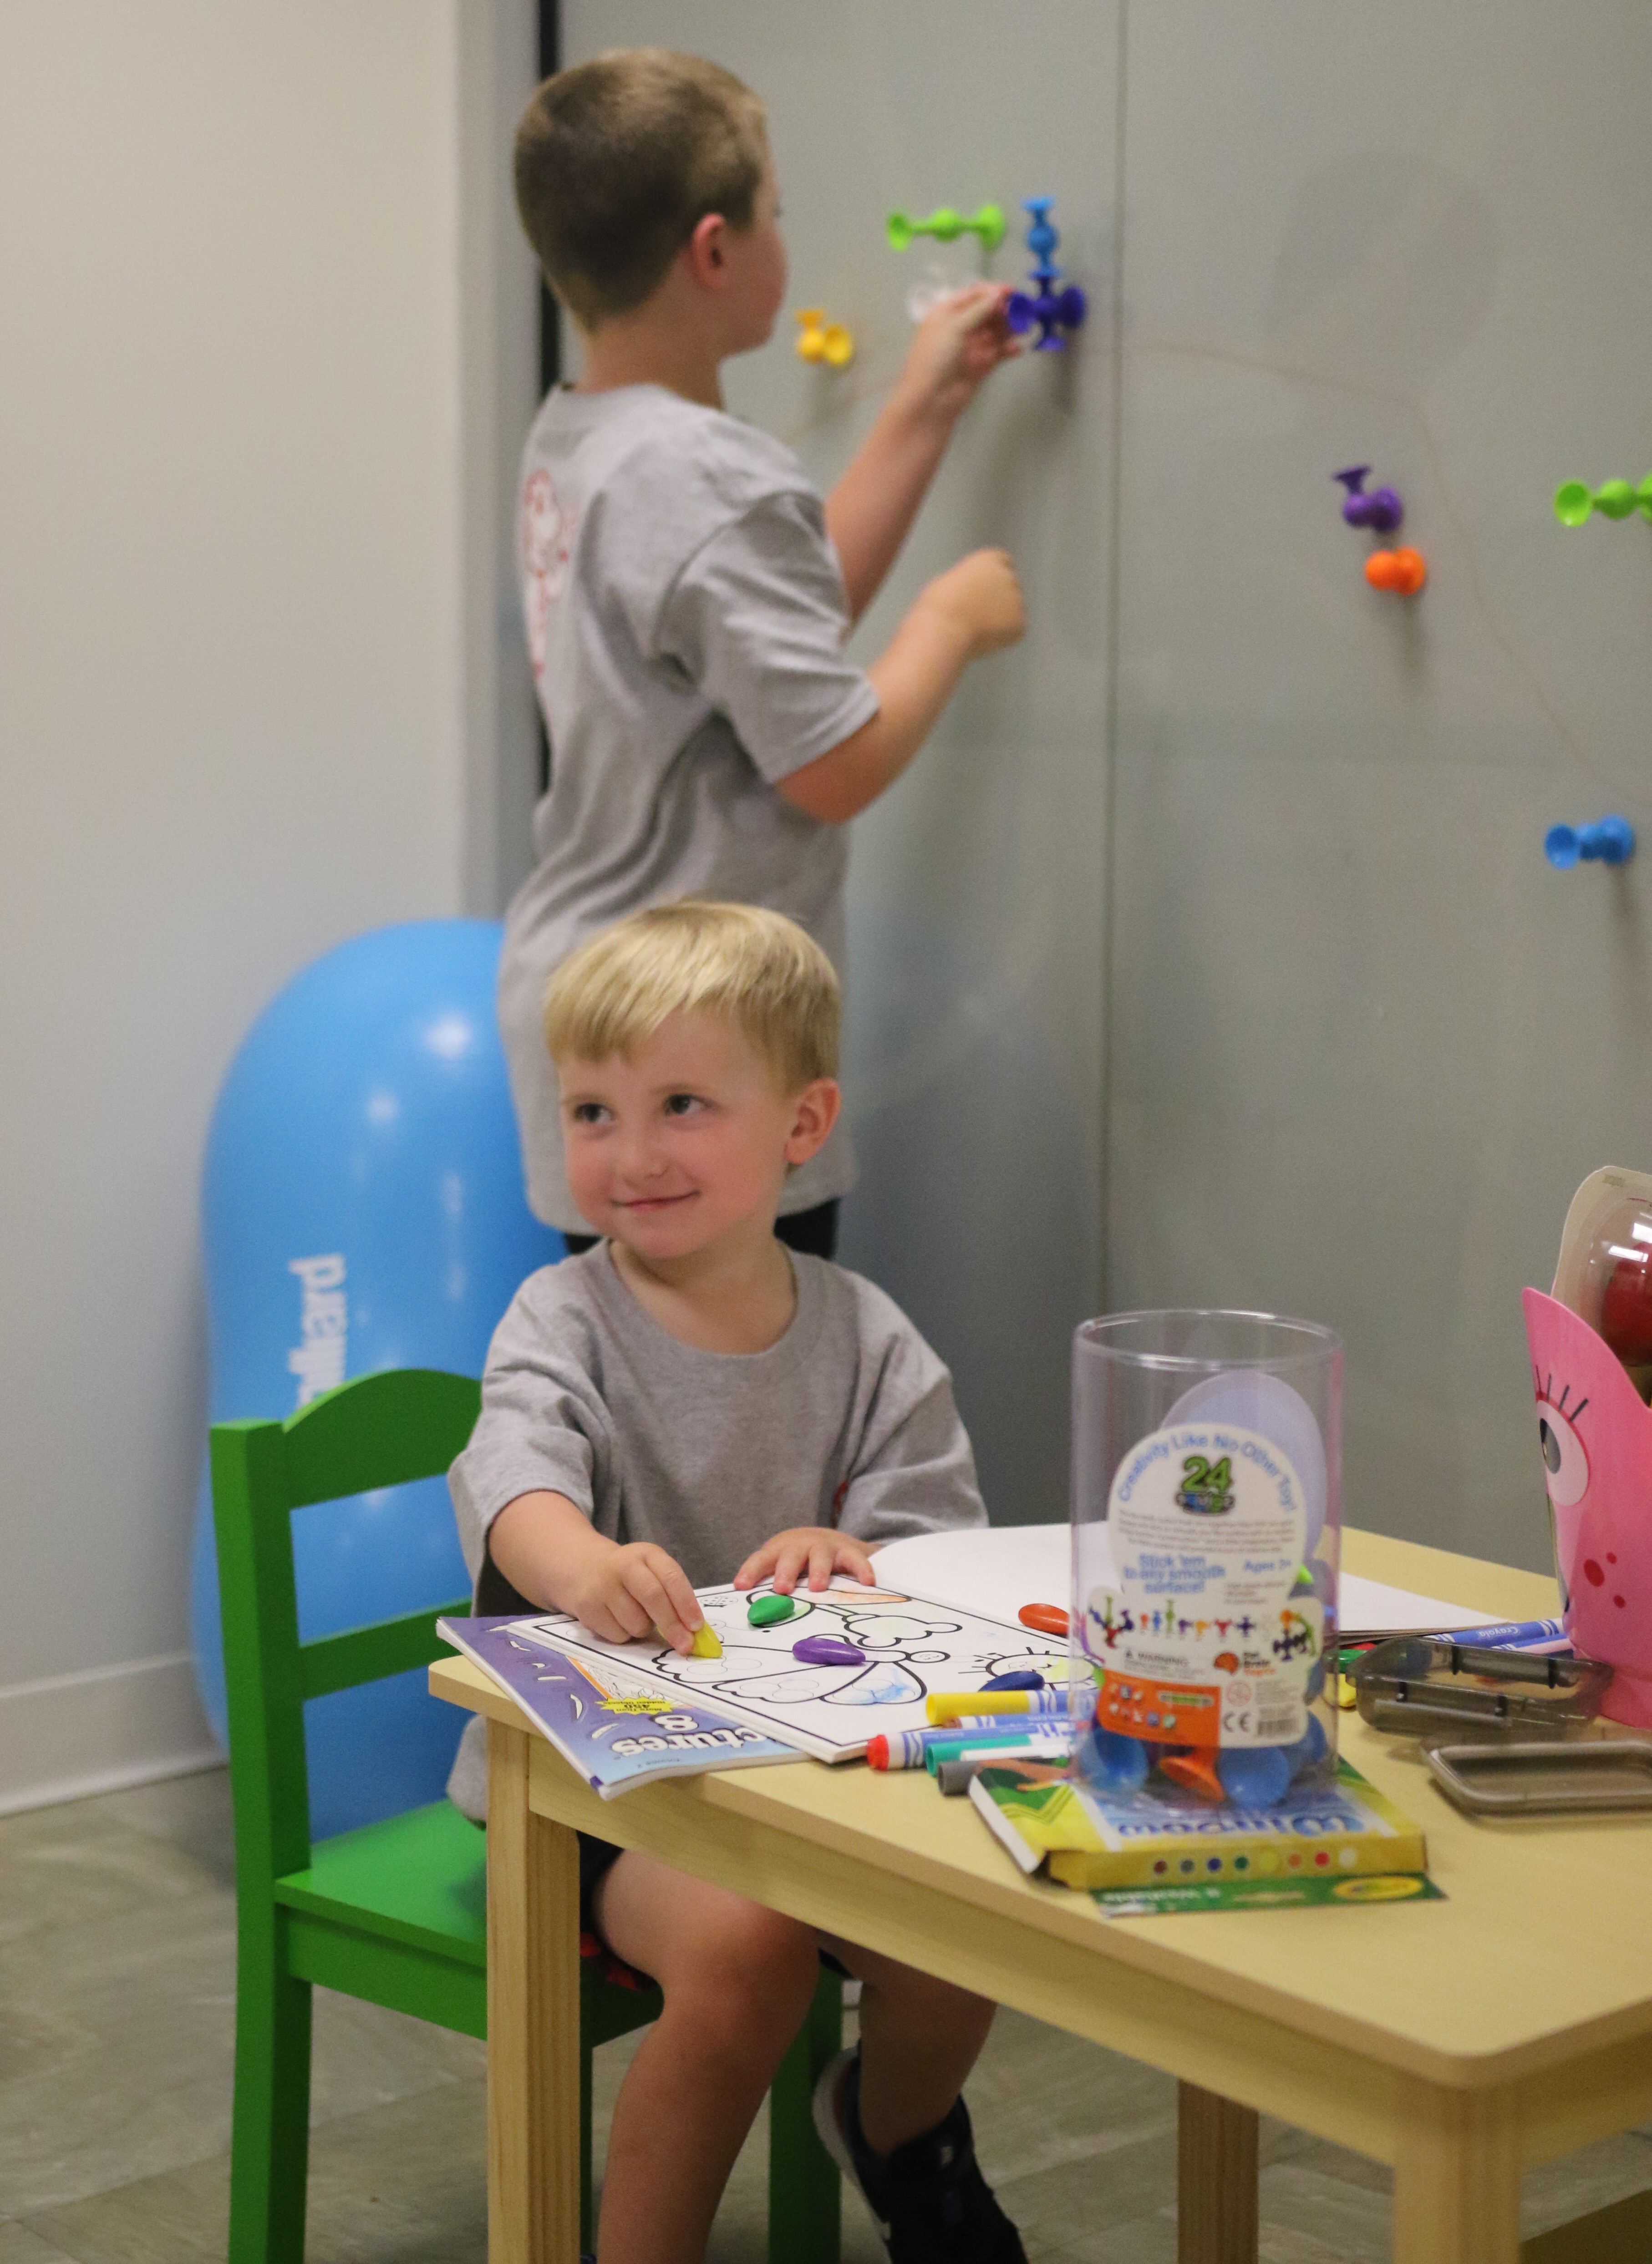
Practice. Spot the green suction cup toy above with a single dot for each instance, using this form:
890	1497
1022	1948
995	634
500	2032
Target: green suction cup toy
1575	500
946	226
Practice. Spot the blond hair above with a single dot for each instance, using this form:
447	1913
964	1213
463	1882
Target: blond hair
617	162
752	968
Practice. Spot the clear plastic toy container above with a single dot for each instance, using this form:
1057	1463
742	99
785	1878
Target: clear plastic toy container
1206	1522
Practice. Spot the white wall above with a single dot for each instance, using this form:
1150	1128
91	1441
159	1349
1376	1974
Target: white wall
268	350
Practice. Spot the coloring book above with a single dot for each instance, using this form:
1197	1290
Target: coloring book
617	1727
870	1657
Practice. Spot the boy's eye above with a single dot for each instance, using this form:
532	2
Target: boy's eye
588	1112
682	1104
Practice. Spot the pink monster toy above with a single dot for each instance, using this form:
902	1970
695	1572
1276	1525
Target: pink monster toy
1595	1430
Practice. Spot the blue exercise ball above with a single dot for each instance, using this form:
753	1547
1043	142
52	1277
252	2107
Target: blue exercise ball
362	1208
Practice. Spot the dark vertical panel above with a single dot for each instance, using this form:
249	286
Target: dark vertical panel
550	314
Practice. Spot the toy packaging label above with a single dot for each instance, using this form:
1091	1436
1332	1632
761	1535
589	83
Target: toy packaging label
1318	1892
1208	1635
610	1724
1087	1838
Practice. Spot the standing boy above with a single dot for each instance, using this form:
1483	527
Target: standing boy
686	594
687	1401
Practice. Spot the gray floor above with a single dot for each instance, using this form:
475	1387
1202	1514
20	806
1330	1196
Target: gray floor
116	1998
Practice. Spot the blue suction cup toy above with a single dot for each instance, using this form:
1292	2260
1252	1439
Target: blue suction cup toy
1113	1762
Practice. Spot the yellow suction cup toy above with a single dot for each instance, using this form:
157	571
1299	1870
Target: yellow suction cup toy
820	341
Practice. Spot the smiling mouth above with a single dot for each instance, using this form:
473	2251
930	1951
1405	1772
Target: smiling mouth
656	1203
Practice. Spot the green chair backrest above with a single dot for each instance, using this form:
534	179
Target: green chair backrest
382	1430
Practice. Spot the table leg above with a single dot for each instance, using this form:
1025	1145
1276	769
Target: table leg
533	2020
1216	2179
1457	2177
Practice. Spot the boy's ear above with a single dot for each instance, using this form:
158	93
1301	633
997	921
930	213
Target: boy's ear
814	1113
706	251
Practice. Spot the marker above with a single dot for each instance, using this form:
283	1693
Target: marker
954	1705
1045	1619
1042	1735
954	1777
905	1749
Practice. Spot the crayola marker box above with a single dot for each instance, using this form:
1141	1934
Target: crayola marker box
1087	1838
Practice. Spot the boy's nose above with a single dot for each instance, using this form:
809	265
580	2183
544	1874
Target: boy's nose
641	1157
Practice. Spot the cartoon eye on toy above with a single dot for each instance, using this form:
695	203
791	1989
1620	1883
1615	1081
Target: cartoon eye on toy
1565	1463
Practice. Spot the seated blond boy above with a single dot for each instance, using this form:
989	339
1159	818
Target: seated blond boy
687	1401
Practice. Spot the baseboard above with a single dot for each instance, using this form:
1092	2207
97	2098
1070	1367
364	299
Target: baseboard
72	1735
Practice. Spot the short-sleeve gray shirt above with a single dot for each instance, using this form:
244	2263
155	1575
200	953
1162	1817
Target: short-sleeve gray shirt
848	1420
685	621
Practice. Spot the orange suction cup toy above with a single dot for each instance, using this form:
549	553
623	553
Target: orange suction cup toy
1404	571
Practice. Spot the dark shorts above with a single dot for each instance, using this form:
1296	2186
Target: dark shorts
596	1859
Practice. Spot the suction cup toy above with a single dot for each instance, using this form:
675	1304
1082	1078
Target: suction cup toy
1575	501
987	223
1403	571
1608	841
1054	313
1381	510
820	341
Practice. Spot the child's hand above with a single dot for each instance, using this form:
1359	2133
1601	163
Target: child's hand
982	595
815	1548
961	338
627	1590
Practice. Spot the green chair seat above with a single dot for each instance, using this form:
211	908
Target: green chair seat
420	1878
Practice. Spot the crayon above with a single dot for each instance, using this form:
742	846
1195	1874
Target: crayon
1513	1634
1045	1619
953	1705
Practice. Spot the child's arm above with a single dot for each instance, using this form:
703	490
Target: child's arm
869	511
547	1549
974	608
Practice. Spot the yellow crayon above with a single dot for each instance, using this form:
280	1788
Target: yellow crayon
705	1644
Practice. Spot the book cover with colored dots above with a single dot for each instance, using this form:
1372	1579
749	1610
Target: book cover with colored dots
1345	1830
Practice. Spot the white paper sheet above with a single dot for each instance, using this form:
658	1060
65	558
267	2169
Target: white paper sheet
998	1571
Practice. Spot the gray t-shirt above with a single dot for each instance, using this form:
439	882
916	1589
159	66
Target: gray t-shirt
685	621
847	1421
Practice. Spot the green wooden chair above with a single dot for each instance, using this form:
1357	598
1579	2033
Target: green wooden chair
394	1912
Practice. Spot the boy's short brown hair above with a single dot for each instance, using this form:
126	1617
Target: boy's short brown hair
748	965
617	161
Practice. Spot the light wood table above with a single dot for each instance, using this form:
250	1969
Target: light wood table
1461	2040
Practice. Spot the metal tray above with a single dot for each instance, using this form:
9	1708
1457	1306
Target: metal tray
1544	1778
1425	1687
